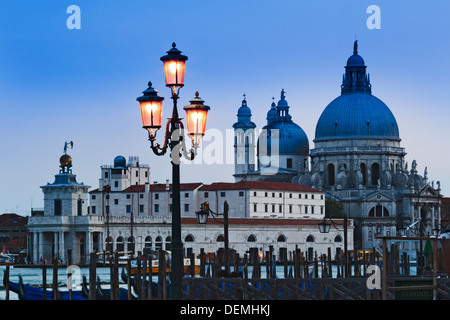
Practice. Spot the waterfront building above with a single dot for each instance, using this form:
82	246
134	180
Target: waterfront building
127	213
63	229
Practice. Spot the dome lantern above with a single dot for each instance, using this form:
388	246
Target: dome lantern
355	78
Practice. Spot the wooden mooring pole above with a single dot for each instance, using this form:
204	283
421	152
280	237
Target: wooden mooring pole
44	282
7	283
92	276
55	278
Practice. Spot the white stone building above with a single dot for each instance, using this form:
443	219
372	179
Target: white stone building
127	213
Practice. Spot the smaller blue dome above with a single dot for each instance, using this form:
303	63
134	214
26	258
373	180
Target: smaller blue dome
355	61
244	110
244	117
120	162
272	114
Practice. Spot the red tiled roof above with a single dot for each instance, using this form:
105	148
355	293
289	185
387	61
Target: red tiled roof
105	189
183	186
241	185
445	200
12	219
153	187
261	185
135	188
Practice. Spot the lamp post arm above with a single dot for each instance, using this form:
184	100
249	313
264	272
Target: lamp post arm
335	224
156	147
189	155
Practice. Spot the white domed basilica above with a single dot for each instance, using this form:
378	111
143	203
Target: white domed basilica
357	160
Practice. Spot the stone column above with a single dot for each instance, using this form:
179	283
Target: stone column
61	246
41	247
89	243
55	245
432	218
439	216
35	248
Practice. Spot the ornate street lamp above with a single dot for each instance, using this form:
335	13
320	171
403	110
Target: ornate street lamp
151	113
436	232
401	230
324	227
202	218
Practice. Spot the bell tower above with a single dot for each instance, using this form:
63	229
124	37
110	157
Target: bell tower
244	142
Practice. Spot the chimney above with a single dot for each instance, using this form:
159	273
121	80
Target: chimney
147	188
167	184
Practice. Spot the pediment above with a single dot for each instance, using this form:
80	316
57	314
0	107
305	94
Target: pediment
377	196
428	191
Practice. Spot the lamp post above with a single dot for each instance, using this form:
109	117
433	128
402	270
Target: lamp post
401	230
196	114
324	227
202	218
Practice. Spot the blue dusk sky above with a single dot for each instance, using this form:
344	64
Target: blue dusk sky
59	84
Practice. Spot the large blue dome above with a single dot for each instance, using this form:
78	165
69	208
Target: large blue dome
356	115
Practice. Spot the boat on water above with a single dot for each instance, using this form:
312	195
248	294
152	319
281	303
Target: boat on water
27	292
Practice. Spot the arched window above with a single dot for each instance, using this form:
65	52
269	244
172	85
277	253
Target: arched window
120	244
281	238
331	179
378	211
310	239
251	238
375	173
220	238
338	238
168	243
109	244
364	173
189	238
130	244
158	242
148	242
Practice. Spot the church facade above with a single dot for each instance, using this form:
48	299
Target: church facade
357	159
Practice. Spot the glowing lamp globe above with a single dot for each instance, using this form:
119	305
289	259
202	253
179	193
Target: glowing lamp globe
151	110
174	68
196	115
